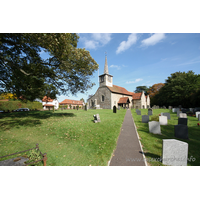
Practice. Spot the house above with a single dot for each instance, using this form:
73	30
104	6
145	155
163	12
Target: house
108	95
72	103
49	103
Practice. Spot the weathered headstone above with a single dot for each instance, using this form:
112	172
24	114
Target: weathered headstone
198	117
139	112
182	121
174	109
178	112
145	118
96	118
197	113
174	152
150	112
118	107
170	107
163	120
167	114
182	115
114	109
154	127
85	107
191	109
181	131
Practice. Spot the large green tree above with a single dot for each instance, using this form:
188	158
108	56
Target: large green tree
142	88
23	70
181	88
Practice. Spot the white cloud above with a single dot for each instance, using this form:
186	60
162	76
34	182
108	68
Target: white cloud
124	45
115	66
95	40
136	80
193	61
154	39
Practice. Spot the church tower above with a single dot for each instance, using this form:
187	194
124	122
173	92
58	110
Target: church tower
106	79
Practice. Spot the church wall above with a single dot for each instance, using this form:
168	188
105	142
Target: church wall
137	103
143	101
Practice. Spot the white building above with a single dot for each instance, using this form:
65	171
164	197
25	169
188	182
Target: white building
49	103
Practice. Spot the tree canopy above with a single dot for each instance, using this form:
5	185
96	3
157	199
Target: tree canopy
24	72
142	88
181	88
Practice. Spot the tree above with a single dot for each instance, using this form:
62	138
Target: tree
82	99
141	88
154	89
23	71
180	89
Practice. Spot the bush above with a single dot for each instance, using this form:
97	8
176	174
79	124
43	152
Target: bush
155	118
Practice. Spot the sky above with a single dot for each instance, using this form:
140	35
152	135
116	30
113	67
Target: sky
140	59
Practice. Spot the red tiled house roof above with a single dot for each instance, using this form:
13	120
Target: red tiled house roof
48	105
137	95
47	99
73	102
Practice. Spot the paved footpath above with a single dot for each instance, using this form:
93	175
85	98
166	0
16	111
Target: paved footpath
128	151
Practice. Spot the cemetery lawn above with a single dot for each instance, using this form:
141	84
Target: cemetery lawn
69	137
152	143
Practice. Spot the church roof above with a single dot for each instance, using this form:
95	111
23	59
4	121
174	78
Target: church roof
137	95
73	102
123	100
119	90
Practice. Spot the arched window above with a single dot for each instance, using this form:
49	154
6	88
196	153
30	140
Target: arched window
102	98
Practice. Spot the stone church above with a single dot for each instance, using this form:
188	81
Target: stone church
108	95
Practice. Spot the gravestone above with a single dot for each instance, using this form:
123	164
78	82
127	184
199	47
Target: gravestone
163	120
86	107
181	131
170	107
178	112
197	113
150	112
96	118
145	118
114	109
184	110
167	114
154	127
118	107
183	115
139	112
174	152
198	117
174	109
182	121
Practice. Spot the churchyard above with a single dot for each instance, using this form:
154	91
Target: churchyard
69	137
152	143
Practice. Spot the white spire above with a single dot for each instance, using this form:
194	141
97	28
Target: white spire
106	66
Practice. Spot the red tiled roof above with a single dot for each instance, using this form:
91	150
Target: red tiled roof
137	95
123	100
120	90
48	105
45	99
73	102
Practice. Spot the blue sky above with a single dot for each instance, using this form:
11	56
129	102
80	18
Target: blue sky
140	59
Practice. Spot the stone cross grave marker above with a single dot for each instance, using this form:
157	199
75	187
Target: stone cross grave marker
163	120
197	113
114	109
181	131
145	118
182	115
167	114
174	152
182	121
96	118
154	127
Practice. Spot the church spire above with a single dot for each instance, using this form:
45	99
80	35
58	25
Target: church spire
106	66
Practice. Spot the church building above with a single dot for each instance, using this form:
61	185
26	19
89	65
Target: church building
108	95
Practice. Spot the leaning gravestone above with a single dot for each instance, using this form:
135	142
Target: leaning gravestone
178	112
163	120
167	114
96	118
154	127
174	152
145	118
197	113
182	121
183	115
114	109
181	131
139	112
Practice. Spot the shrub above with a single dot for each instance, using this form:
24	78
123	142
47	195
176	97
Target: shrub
155	118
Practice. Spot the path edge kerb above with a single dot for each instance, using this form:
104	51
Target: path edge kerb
139	142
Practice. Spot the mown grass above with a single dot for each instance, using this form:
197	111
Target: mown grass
69	137
152	143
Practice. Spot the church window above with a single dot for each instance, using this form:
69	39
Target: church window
102	98
102	79
109	78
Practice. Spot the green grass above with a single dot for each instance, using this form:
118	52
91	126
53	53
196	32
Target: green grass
152	143
69	137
